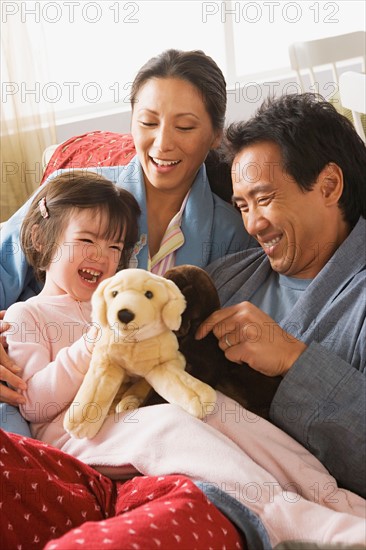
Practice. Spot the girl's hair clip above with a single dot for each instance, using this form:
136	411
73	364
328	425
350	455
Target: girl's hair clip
43	208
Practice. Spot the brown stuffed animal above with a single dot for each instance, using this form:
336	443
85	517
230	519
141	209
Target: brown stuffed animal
205	360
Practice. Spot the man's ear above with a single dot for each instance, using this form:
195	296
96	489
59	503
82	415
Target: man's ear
35	235
331	183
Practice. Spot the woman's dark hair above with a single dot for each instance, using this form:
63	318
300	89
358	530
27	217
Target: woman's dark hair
67	192
195	67
218	170
310	133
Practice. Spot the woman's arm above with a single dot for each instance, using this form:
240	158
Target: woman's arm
17	280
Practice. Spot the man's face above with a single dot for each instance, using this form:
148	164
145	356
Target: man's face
290	224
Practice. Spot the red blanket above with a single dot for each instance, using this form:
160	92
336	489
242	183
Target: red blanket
50	497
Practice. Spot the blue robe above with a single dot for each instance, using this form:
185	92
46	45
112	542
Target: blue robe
321	401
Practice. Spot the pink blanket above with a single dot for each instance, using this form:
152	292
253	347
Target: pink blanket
246	456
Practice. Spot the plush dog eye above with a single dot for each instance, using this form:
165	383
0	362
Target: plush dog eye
114	293
149	294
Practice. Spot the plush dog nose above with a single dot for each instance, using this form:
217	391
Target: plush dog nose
125	316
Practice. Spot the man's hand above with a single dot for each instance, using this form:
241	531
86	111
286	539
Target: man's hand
8	372
247	334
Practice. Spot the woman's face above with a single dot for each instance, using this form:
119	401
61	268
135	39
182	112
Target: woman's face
172	132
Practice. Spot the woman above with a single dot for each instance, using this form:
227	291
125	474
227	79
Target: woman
178	104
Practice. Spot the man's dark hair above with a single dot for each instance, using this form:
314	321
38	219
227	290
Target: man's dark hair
310	133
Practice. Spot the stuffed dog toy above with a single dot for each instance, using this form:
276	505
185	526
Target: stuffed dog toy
137	312
205	360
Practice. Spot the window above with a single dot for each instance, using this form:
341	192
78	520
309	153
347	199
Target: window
94	48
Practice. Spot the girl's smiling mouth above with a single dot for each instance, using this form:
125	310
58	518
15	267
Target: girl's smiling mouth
91	276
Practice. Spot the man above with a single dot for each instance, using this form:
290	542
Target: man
296	306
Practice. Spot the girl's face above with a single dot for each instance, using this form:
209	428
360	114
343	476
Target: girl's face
83	257
172	132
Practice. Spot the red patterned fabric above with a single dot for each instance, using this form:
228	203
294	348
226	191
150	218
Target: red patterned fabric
50	500
156	512
92	149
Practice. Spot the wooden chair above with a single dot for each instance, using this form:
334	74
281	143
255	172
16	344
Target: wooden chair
352	89
307	56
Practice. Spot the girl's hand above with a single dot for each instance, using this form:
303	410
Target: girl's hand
248	335
9	371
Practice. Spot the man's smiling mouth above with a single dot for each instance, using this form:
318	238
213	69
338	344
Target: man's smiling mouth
272	242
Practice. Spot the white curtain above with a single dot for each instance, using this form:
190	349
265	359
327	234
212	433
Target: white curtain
27	121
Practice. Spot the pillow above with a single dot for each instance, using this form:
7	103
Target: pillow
91	150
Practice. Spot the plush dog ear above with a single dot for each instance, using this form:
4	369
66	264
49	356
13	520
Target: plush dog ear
174	308
99	306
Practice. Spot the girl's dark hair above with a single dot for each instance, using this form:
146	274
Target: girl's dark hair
77	189
195	67
310	133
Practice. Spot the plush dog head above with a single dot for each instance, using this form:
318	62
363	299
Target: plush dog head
200	294
139	302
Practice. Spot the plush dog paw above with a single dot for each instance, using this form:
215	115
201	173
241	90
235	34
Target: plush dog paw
128	403
203	403
86	430
83	422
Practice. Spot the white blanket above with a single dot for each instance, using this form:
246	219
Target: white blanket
246	456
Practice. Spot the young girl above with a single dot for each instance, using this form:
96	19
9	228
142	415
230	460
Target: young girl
80	229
